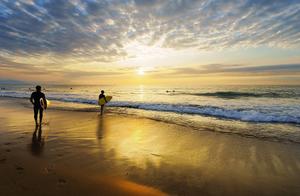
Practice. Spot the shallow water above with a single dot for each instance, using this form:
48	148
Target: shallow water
267	112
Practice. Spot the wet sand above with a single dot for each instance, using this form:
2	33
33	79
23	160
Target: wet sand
81	153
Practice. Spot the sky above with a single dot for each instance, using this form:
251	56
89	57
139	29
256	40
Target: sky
150	41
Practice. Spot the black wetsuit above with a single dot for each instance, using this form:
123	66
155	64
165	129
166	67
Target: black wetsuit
35	99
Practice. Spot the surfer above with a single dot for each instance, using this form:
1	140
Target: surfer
35	99
100	97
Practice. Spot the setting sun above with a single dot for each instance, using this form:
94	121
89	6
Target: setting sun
141	72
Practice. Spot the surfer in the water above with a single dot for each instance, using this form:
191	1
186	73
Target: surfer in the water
35	99
100	97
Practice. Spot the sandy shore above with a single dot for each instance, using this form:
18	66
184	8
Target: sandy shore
80	153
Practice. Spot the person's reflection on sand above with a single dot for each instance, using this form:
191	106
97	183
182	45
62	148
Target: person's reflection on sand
100	129
37	141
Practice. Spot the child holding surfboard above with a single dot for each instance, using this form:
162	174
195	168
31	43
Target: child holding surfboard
103	100
102	97
39	102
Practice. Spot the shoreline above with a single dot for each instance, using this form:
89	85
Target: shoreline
205	123
81	152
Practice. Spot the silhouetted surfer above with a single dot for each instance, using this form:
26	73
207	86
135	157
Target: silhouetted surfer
100	97
35	99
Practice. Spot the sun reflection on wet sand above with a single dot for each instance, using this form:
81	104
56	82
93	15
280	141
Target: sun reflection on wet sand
147	153
141	142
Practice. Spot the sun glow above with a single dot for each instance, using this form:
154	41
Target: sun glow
143	54
141	71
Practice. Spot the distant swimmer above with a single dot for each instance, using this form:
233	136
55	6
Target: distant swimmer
169	91
102	96
36	98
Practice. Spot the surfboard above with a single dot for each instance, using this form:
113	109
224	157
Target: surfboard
102	101
43	104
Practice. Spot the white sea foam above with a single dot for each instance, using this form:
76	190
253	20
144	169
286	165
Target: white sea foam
271	113
259	113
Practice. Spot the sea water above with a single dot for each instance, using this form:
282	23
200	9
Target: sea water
265	112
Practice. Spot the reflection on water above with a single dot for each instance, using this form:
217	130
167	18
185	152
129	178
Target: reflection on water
142	143
153	153
175	159
101	127
141	93
131	142
37	144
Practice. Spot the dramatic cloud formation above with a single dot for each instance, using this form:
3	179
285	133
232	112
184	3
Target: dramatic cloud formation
49	32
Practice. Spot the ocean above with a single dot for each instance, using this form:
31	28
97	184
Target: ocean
265	112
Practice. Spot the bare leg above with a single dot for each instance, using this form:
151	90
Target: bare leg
102	109
41	115
35	111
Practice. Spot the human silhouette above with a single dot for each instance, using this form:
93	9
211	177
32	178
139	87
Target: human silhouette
35	100
100	97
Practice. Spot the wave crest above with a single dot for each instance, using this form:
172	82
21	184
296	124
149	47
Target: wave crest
267	114
234	94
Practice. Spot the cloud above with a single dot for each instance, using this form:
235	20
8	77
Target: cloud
40	73
292	69
99	30
146	2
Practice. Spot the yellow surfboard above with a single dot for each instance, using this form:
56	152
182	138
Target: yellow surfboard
102	100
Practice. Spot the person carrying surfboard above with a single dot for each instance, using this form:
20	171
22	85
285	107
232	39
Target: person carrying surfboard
102	96
39	102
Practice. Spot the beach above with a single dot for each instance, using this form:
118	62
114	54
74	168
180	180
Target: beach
82	153
200	98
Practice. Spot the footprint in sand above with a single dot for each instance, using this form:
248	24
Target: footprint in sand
49	170
61	182
45	123
157	155
19	169
2	160
7	150
60	155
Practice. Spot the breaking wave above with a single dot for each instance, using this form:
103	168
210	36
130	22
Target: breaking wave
233	94
266	114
